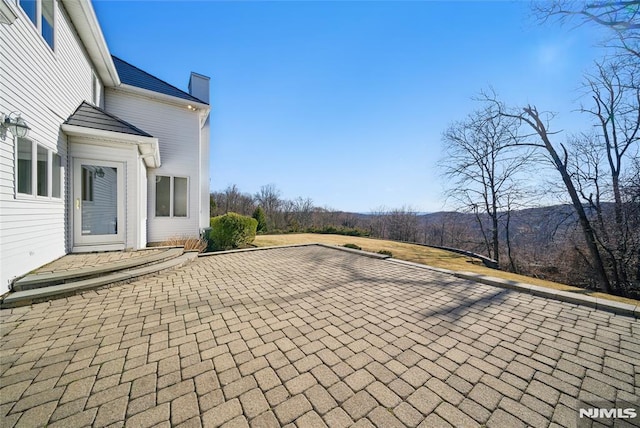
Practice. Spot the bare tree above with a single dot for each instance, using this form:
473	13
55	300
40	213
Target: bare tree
601	158
621	17
268	197
540	138
631	200
323	216
378	224
616	109
403	224
303	212
231	200
484	166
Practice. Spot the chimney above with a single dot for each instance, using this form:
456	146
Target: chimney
199	86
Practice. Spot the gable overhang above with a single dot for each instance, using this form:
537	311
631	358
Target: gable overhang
148	147
86	24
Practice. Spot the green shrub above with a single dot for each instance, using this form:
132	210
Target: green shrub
231	231
386	253
261	218
333	230
352	246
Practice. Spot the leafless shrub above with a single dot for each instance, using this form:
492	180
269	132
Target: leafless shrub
189	243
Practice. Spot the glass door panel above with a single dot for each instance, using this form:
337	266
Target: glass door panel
99	200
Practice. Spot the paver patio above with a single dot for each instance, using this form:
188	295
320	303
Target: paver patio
311	336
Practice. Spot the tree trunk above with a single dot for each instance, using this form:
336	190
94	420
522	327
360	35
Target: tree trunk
587	230
507	231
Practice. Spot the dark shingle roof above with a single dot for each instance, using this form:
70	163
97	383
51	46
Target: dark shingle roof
131	75
89	116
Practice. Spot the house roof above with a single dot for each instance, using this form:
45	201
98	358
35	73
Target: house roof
133	76
90	116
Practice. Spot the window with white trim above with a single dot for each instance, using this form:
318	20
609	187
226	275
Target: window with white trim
42	14
172	196
38	170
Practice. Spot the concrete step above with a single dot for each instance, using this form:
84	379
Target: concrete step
35	295
48	279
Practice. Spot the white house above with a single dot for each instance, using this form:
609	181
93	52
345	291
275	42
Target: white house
114	157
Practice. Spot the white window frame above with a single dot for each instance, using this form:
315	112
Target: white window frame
34	172
171	196
38	23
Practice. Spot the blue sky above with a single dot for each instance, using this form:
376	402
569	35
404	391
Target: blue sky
345	102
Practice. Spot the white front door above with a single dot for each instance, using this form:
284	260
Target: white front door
98	203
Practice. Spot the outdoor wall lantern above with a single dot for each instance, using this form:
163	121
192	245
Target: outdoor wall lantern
100	172
13	123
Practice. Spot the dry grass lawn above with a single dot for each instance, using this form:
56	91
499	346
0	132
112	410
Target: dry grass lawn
423	255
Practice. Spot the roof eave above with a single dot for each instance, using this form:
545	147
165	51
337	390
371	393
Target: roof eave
163	97
148	147
86	23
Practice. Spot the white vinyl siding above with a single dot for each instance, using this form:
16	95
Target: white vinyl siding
45	87
178	132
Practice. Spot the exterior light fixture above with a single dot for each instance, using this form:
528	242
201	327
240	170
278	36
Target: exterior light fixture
13	123
99	172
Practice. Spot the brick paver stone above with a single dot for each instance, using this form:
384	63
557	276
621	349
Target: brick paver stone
111	412
265	420
150	417
300	383
359	380
382	417
308	336
253	403
82	419
338	418
184	408
359	405
311	419
320	399
222	413
384	395
292	408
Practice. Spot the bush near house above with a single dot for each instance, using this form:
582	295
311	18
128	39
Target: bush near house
231	231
